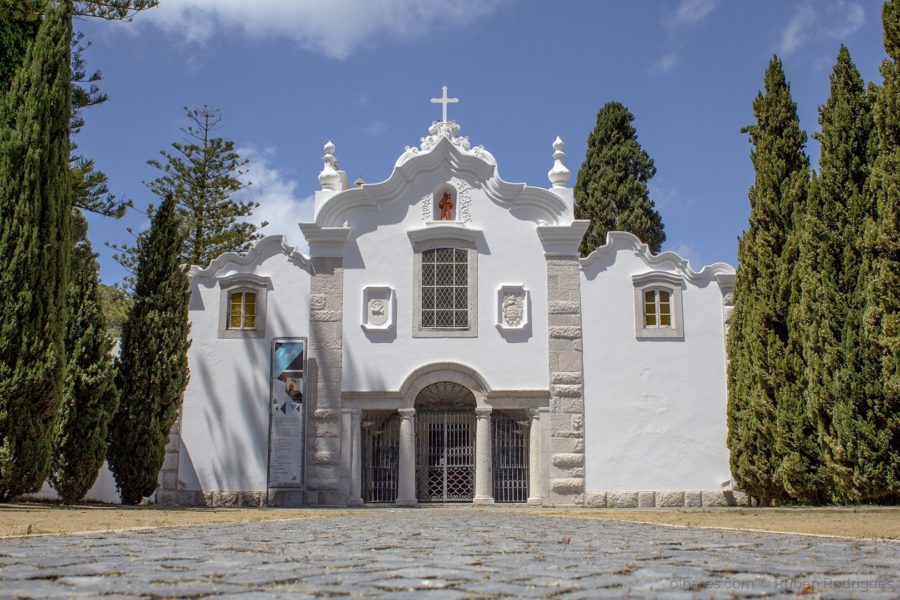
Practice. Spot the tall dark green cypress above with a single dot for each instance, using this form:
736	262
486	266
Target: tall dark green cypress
828	311
759	365
89	398
868	431
611	189
152	367
35	219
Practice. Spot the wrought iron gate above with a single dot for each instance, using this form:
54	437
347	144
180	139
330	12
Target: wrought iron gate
380	456
510	458
445	456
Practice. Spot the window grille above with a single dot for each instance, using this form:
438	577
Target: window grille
445	288
242	310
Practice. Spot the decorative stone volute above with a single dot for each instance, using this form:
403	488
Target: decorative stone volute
559	174
330	178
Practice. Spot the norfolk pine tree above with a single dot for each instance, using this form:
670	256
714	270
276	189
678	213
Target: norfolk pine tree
611	188
89	398
152	369
869	432
760	369
35	222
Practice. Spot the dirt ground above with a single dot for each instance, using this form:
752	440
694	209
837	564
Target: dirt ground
856	522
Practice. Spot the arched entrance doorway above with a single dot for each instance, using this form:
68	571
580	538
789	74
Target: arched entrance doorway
445	443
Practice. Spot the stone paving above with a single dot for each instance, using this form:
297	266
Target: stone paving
437	553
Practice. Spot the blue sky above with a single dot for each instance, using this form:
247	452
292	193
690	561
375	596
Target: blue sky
291	74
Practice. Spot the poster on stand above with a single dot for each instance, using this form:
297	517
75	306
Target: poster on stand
286	413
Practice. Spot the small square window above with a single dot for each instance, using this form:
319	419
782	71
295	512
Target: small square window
243	308
658	311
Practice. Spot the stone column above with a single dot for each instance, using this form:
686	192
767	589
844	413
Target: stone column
355	459
534	457
325	355
406	484
484	493
566	380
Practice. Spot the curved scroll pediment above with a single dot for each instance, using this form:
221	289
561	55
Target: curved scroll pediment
622	240
446	151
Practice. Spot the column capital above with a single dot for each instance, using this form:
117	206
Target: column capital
534	413
483	413
406	413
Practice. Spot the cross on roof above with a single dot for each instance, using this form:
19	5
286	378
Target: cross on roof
444	100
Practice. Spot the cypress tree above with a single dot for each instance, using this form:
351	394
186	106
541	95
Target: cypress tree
611	189
829	311
868	431
89	398
152	369
760	368
35	221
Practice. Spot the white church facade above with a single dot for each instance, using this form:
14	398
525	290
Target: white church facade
443	341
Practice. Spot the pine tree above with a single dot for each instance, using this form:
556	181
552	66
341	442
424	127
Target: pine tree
868	431
19	21
760	368
89	398
611	189
35	221
152	368
829	313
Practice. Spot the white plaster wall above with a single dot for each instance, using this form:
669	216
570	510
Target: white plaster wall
103	490
510	252
654	409
225	416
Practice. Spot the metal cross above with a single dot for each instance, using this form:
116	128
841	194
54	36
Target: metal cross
444	101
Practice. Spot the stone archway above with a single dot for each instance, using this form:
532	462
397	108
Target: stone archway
445	443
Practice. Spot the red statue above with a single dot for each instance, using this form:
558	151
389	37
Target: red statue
446	206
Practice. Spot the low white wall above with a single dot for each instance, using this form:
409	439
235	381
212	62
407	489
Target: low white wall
225	423
103	490
655	410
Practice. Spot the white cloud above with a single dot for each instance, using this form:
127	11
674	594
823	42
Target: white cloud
279	203
835	21
665	62
375	128
336	28
689	253
689	12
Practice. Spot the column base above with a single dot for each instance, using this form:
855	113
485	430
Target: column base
535	502
355	502
406	502
483	500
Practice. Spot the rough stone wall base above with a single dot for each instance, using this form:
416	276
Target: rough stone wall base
665	499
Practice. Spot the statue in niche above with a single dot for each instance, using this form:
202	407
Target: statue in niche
513	309
446	207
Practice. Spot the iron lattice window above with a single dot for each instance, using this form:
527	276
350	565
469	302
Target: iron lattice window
445	288
242	310
657	308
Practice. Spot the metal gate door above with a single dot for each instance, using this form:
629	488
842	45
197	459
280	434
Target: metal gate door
445	456
380	456
510	458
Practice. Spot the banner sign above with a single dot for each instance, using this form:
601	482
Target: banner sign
286	413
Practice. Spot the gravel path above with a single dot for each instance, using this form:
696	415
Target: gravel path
437	553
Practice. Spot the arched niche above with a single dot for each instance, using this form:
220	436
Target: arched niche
438	204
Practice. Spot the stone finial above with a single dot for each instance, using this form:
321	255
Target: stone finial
359	182
329	178
559	174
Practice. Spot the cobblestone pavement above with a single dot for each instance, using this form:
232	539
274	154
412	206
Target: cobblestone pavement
437	553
